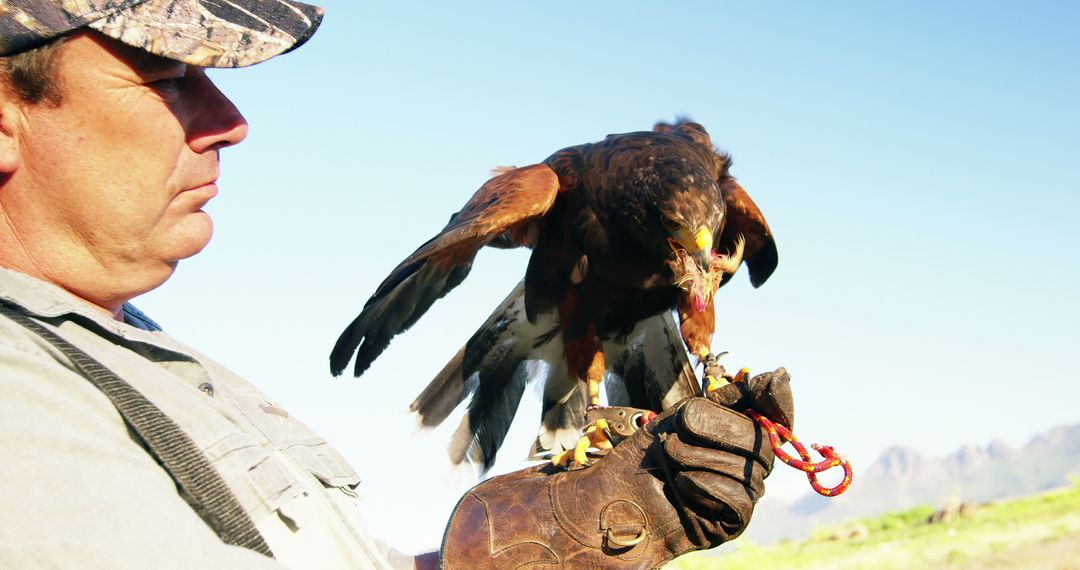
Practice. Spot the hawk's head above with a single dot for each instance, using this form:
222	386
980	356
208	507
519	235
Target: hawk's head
692	211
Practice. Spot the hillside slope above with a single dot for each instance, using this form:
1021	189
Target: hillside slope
1040	531
902	478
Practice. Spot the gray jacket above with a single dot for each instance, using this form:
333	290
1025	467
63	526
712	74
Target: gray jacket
79	491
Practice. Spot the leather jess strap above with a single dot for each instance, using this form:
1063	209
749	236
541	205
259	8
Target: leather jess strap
200	485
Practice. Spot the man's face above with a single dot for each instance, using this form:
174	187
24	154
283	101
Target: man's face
113	180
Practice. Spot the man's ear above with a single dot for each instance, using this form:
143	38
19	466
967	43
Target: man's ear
10	158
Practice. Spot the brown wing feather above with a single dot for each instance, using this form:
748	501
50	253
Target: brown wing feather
504	204
504	207
745	219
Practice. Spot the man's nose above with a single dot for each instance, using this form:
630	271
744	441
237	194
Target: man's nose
217	122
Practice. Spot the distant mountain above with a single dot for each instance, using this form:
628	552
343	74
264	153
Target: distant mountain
903	477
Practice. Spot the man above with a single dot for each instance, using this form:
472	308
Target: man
123	447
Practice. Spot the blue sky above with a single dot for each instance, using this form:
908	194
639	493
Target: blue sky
917	163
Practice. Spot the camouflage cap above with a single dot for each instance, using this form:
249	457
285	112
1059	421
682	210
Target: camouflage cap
207	33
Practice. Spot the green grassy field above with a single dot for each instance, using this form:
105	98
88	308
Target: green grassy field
1039	531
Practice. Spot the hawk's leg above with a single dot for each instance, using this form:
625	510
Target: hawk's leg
587	359
697	327
714	376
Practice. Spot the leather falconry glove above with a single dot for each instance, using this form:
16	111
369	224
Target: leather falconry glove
686	481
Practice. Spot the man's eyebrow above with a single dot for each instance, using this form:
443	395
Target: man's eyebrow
153	65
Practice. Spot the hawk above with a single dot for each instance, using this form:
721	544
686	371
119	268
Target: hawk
624	232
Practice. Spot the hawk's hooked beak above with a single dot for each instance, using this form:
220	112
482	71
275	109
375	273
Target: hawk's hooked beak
699	245
703	241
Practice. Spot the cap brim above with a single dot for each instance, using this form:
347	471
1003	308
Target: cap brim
214	33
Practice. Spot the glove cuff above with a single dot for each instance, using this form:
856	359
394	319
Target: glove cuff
534	517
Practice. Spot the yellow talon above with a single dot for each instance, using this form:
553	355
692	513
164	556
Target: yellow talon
595	436
579	450
712	383
560	459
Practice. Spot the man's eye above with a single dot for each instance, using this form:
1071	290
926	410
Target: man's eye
169	85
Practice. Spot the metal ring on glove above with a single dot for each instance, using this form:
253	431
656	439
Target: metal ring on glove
632	542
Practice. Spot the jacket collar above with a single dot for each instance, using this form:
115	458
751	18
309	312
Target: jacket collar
45	300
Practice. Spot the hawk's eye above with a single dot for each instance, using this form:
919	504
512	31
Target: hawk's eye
669	223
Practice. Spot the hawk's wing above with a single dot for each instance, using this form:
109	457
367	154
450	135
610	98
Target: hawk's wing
745	219
503	208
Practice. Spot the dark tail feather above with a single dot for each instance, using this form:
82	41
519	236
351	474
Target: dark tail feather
493	368
563	414
650	367
490	414
496	357
443	394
